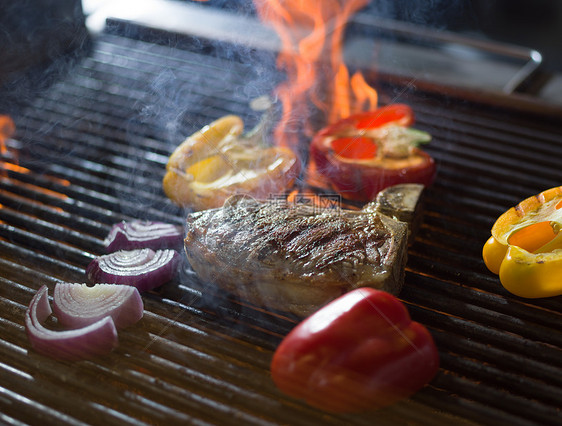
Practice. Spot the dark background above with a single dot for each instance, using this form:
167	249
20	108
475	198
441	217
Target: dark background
535	24
44	30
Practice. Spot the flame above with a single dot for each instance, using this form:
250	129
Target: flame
7	129
48	192
14	167
366	96
311	34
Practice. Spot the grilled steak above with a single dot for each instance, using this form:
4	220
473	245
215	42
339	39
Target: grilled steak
295	258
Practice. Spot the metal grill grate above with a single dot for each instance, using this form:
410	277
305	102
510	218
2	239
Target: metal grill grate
91	151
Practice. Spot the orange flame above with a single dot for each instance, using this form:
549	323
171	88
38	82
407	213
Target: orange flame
311	34
7	129
14	168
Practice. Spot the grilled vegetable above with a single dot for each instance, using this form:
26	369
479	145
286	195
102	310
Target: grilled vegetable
144	269
78	305
360	352
98	338
525	248
218	161
366	152
138	234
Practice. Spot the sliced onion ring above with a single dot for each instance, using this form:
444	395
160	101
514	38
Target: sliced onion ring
96	339
78	305
138	234
144	269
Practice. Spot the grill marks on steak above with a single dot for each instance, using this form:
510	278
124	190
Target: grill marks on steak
328	242
295	258
305	237
311	242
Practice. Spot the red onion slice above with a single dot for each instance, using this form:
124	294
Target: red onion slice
78	305
98	338
138	234
144	269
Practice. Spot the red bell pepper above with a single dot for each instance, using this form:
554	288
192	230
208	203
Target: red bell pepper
360	352
367	152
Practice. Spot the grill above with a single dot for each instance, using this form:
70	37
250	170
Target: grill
90	150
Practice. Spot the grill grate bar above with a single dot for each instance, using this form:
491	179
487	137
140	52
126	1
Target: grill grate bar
541	372
524	409
100	201
535	390
518	310
481	333
51	213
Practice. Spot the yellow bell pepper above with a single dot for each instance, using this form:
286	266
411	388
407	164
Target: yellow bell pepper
219	161
525	248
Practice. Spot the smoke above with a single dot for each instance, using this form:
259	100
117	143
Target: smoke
188	91
179	101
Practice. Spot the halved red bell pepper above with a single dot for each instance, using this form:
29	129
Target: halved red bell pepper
367	152
360	352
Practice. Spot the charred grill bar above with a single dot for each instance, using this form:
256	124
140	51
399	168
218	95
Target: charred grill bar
90	150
